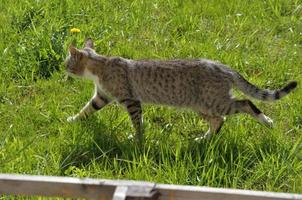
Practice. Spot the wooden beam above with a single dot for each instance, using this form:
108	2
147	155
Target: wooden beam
180	192
120	189
53	186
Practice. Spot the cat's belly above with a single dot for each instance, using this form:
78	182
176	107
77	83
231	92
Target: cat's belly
172	95
201	95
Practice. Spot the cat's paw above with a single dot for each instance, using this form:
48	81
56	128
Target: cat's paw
266	120
72	118
206	136
199	139
130	136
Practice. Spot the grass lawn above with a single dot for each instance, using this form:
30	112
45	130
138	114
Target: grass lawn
260	39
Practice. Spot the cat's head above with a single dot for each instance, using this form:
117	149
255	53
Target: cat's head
76	61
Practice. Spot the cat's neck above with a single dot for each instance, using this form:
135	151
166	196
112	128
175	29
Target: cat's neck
98	58
95	66
91	74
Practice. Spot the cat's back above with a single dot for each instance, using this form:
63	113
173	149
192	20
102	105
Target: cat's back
175	64
180	69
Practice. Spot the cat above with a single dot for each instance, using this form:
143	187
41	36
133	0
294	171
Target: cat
198	84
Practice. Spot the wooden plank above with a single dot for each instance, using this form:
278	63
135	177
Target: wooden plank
180	192
54	187
69	187
104	189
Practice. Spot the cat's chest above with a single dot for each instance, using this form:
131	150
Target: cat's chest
96	80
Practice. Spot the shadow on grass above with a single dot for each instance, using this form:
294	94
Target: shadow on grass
98	142
103	142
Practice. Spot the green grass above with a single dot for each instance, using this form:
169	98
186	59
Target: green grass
260	39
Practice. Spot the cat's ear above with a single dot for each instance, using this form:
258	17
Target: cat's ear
72	50
89	43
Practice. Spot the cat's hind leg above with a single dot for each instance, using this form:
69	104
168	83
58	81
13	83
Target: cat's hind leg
246	106
97	102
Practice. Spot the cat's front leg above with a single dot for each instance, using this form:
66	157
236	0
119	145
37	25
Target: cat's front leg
215	124
97	102
135	111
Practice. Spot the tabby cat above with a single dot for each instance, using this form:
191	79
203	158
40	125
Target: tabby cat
198	84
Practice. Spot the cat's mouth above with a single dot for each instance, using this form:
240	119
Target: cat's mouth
70	71
71	75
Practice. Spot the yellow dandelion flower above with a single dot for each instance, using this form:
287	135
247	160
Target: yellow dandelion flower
75	30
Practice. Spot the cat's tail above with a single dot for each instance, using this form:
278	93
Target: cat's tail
262	94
